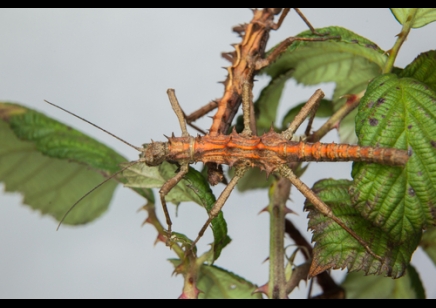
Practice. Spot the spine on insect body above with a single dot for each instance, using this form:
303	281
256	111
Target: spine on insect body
271	150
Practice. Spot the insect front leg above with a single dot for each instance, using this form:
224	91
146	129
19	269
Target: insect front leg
165	189
178	111
323	208
308	109
275	54
219	203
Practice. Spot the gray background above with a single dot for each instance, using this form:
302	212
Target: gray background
113	67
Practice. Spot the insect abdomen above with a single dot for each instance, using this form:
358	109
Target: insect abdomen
302	151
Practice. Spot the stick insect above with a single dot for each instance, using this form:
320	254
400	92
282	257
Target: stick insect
272	152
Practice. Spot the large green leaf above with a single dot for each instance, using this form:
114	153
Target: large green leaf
193	187
428	243
419	17
54	165
357	285
350	62
336	248
400	113
423	68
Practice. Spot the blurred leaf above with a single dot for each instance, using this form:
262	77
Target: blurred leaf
350	62
399	113
268	101
253	179
422	17
193	187
358	286
54	165
428	243
336	248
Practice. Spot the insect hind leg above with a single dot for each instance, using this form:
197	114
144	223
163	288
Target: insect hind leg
323	208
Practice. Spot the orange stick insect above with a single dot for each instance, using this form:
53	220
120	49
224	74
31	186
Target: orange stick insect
271	152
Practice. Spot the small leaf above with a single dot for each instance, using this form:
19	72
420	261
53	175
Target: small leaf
420	16
335	248
350	62
54	165
358	286
428	243
193	187
423	68
216	283
399	113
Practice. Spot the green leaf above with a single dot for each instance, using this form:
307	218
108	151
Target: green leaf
350	62
325	110
423	68
358	286
428	243
421	16
268	101
54	165
193	187
216	283
399	113
336	248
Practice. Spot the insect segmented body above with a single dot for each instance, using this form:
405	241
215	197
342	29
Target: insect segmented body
272	152
267	152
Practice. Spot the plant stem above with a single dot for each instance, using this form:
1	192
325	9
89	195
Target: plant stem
279	193
400	40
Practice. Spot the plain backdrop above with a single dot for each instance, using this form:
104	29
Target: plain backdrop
113	67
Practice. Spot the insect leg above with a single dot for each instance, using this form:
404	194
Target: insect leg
178	111
278	50
247	110
281	18
219	203
306	21
165	189
303	113
287	172
311	117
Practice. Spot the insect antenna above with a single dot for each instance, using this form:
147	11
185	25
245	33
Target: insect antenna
102	129
89	192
